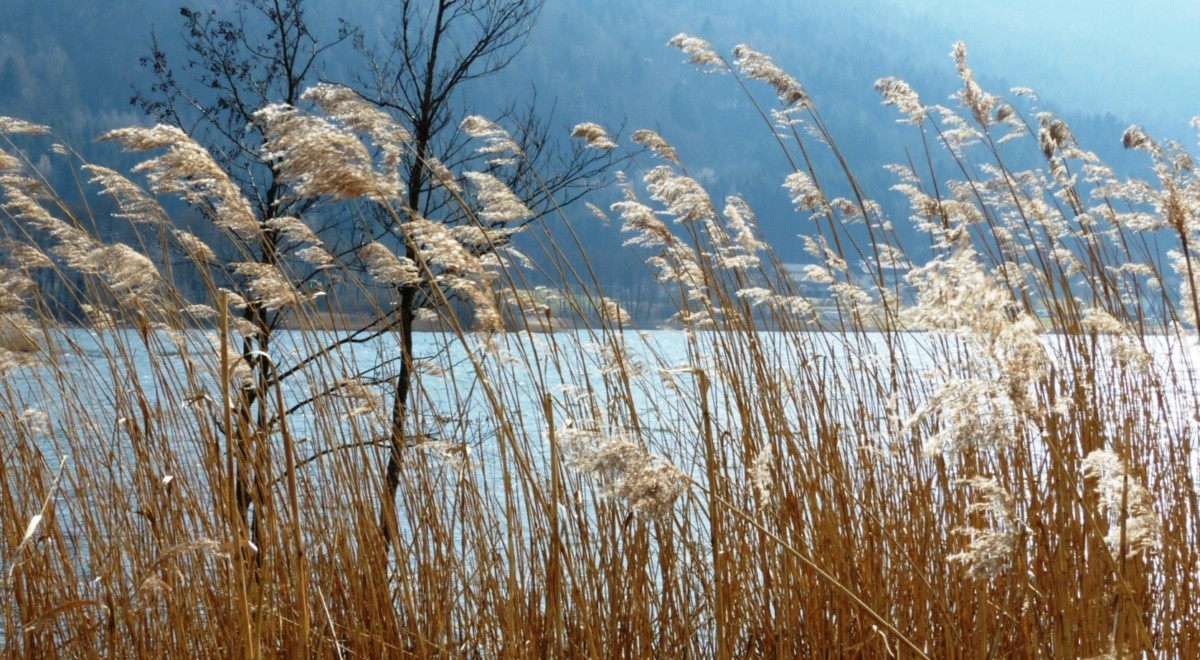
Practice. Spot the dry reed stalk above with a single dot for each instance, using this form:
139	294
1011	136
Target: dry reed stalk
804	475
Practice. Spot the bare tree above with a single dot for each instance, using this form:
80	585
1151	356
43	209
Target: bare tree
234	66
422	73
436	51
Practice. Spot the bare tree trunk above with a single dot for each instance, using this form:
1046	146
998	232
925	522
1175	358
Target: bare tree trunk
398	439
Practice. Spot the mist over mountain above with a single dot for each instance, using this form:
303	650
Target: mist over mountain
75	66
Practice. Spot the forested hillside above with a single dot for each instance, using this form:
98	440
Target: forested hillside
75	67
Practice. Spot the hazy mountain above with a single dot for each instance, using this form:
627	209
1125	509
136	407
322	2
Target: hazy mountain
66	61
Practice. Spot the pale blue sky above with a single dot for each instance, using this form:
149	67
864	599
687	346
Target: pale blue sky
1139	60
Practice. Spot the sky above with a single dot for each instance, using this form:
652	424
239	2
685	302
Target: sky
1138	60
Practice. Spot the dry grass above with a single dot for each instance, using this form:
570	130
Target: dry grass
16	335
986	454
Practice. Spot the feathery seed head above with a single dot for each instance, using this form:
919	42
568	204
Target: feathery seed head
656	144
805	193
598	213
1054	136
442	176
1129	506
98	318
967	414
758	66
972	96
761	470
292	229
34	421
683	196
234	299
640	220
700	53
346	106
195	249
145	139
455	268
1136	137
14	126
741	222
612	312
321	159
648	484
817	275
316	256
496	140
499	205
187	169
386	267
199	312
898	93
476	236
7	162
363	399
595	136
135	204
128	272
28	257
454	455
14	286
991	547
269	286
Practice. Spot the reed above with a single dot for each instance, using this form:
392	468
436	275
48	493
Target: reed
16	336
987	451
